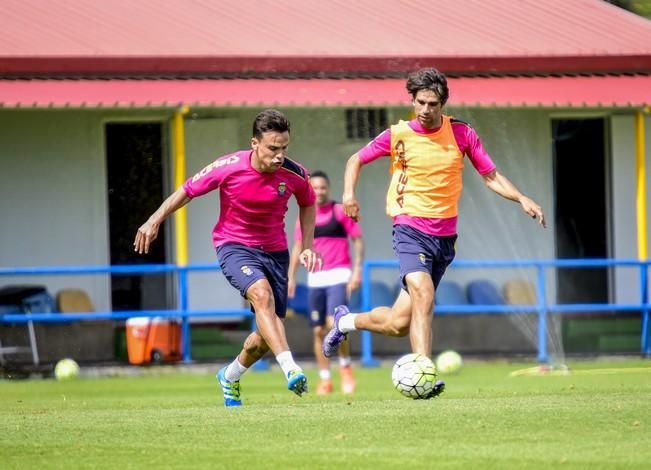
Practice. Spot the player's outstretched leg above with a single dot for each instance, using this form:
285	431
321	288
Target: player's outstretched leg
297	382
230	389
439	387
335	336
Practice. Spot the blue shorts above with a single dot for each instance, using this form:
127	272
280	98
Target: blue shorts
243	265
321	301
420	252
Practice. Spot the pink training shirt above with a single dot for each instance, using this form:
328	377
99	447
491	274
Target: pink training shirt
468	143
252	205
334	250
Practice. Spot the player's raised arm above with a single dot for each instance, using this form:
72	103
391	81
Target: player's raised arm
351	176
148	232
505	188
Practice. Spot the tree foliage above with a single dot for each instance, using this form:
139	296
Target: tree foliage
639	7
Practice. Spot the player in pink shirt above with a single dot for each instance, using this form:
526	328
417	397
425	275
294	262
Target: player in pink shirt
332	285
254	190
427	160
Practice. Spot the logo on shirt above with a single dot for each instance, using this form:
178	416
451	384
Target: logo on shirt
282	187
422	258
216	164
246	270
401	162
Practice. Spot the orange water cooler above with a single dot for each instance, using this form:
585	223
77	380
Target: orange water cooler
153	340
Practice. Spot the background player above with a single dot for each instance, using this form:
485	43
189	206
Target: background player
332	285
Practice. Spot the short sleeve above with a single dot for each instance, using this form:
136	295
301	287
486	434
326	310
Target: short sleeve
210	177
470	144
376	148
304	193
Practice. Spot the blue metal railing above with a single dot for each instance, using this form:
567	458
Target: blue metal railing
181	311
542	308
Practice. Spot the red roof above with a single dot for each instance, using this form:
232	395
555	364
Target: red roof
591	91
270	36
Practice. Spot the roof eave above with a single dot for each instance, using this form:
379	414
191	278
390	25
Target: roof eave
198	65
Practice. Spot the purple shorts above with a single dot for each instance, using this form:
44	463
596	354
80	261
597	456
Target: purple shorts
420	252
243	265
321	301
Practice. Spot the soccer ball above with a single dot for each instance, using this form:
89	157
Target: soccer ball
66	369
449	362
414	375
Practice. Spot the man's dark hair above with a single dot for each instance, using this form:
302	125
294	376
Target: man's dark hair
320	174
269	120
428	79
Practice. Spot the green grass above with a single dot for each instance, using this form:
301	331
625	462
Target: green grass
486	419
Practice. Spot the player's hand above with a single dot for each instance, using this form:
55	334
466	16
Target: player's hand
146	234
311	260
291	288
351	207
533	209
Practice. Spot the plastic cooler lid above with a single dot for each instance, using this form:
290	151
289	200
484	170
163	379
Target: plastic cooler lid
138	321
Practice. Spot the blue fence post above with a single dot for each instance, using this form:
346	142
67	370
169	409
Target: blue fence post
644	296
185	320
367	337
542	314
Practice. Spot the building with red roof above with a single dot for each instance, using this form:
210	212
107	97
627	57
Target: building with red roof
559	92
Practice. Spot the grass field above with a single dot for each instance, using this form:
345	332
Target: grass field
598	417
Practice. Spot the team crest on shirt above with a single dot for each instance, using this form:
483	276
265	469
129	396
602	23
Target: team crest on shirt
282	187
422	258
246	270
314	315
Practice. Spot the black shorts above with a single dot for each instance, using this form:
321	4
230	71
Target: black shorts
243	265
321	301
420	252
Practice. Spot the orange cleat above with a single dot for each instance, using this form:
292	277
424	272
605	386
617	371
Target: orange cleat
324	387
348	384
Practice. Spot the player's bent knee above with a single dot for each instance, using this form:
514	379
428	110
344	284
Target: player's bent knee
260	294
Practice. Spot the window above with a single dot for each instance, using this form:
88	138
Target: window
365	123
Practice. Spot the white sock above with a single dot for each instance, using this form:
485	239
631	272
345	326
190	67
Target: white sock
344	361
347	323
324	374
286	362
234	371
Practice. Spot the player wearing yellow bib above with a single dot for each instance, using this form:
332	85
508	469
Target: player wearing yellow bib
427	156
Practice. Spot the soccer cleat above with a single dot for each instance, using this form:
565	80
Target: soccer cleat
231	389
335	336
324	387
348	384
439	387
297	382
